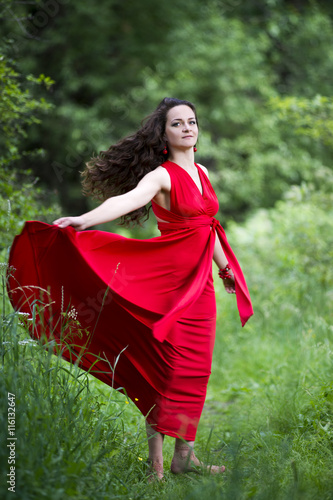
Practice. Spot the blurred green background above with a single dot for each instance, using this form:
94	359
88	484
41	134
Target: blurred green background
77	76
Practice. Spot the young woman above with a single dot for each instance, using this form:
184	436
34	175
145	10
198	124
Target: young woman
151	300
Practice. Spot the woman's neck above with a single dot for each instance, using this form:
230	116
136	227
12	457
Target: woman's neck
184	159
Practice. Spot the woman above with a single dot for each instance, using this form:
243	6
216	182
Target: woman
158	309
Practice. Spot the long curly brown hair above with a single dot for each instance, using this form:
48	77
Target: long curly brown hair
120	168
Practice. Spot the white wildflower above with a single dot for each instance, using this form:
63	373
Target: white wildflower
73	313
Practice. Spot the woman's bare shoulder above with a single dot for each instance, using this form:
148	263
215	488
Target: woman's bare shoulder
161	176
165	177
204	169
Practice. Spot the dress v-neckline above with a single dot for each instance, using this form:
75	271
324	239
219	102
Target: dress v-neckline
200	178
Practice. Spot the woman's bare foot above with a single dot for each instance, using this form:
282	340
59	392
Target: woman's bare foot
184	460
155	470
155	459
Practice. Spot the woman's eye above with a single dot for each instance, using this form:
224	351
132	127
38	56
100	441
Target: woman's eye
193	122
175	124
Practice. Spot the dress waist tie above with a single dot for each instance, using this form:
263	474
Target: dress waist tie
199	280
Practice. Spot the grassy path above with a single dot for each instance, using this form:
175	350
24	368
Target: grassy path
268	414
267	418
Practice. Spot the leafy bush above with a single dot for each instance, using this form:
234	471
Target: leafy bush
20	198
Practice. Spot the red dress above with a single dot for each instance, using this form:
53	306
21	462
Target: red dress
145	308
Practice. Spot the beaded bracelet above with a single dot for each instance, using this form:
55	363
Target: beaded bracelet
224	273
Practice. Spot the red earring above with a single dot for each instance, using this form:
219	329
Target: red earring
165	151
195	149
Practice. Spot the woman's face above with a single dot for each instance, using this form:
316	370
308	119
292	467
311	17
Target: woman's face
181	129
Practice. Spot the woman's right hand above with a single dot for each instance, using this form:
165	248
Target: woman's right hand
229	285
76	222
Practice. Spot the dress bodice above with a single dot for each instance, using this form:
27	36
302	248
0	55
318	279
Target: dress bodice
186	200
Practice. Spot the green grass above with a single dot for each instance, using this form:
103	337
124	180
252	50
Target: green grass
267	417
268	414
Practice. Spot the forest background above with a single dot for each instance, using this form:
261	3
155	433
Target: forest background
77	76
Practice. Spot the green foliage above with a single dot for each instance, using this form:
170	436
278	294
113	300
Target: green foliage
231	58
310	117
289	250
18	110
302	38
20	198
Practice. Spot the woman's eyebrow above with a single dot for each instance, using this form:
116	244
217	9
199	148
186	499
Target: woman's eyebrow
180	119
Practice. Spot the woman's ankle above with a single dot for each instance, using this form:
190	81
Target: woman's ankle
155	470
155	459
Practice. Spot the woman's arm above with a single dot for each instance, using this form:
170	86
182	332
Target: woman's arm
117	206
221	261
219	257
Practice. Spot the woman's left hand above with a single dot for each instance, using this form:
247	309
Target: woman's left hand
229	285
77	222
